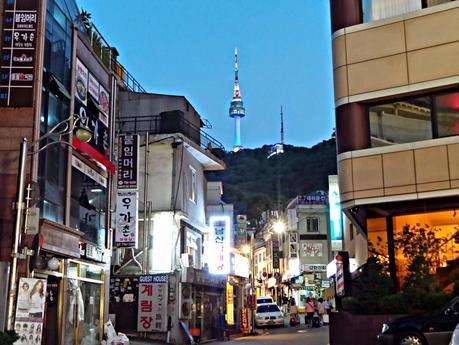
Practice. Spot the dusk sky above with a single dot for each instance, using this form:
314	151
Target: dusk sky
187	48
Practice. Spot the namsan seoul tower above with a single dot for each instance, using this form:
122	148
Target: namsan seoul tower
236	110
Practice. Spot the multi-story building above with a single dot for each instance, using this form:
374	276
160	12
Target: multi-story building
397	122
54	65
176	236
307	246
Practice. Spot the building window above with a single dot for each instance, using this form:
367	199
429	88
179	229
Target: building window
193	184
414	119
380	9
88	202
312	224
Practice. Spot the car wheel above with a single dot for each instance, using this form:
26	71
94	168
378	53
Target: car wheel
410	338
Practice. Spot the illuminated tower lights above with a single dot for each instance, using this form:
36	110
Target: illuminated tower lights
237	110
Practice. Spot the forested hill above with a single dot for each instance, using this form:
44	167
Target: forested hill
251	181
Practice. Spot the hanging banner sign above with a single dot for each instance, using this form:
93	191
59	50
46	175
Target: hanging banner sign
19	40
219	245
128	161
152	307
30	310
126	231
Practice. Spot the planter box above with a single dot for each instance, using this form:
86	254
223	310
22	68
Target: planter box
350	329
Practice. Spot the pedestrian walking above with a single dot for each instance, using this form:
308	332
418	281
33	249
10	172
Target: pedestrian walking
310	308
321	309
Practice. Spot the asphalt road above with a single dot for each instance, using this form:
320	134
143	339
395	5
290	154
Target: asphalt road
300	335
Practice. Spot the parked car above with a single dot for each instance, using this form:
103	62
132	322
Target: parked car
264	300
435	328
269	314
455	337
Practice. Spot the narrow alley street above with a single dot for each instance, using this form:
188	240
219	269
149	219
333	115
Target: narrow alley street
300	335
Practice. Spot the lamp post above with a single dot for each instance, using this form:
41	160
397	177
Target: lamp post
83	133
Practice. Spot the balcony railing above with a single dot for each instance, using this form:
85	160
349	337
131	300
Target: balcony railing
172	122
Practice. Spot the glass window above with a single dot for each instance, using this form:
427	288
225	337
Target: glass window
193	184
447	108
88	202
401	122
312	224
268	308
52	171
380	9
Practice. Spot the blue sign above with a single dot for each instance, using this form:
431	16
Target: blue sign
154	279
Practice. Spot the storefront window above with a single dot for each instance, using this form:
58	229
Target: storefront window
434	231
88	203
377	239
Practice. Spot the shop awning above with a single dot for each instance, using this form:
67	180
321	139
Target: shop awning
92	154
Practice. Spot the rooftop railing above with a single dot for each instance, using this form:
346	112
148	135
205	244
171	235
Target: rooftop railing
107	55
172	122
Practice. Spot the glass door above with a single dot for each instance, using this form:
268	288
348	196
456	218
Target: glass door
84	301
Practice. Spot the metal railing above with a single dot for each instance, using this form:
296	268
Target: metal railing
105	53
167	124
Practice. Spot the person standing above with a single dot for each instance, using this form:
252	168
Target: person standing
310	308
320	309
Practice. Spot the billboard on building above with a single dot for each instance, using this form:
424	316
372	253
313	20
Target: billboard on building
126	231
152	303
30	310
336	226
219	259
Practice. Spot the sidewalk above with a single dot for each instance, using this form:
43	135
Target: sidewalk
140	341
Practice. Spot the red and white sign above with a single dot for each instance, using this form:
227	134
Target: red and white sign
152	308
93	87
81	82
339	276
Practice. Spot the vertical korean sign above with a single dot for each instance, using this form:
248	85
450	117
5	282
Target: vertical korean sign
126	219
336	227
30	310
229	303
128	174
152	307
220	245
19	38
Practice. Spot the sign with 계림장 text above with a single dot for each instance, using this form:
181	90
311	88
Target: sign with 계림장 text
126	231
152	303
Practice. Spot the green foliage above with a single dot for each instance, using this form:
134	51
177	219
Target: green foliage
370	288
8	337
255	184
393	304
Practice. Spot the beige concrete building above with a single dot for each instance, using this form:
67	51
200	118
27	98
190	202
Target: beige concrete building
397	117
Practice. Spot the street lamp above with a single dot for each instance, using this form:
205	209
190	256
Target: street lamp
279	227
83	133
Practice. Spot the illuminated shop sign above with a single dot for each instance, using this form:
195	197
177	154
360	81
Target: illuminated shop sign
126	219
19	40
219	245
336	226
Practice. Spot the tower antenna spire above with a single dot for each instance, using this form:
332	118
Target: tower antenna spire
282	127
